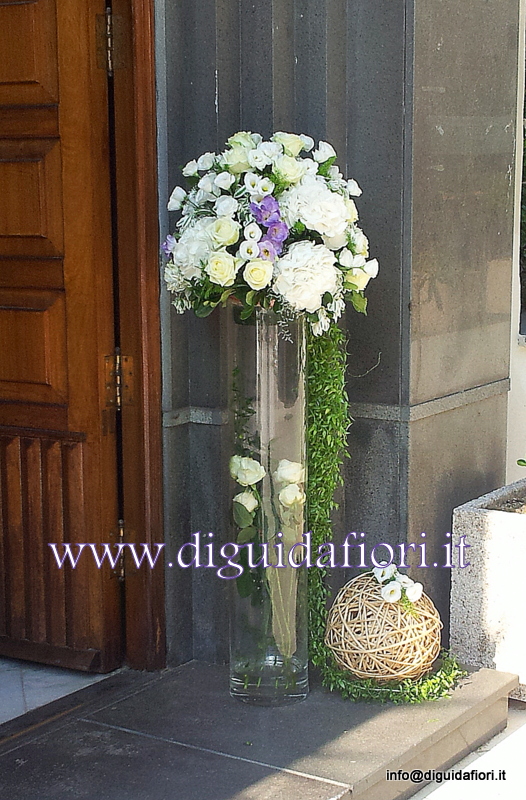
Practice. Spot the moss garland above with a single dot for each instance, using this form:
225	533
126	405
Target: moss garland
328	423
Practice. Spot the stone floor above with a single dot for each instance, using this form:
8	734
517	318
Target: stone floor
25	686
177	735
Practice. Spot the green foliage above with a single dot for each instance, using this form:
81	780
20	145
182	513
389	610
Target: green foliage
521	462
432	686
328	422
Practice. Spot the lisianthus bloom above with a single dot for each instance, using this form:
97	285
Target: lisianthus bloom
384	572
414	592
267	212
391	592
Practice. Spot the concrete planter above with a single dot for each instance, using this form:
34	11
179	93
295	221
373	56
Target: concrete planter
488	598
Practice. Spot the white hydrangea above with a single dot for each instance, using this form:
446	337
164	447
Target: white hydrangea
312	203
193	247
305	273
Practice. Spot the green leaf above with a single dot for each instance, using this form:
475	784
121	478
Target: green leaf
323	169
242	517
359	302
246	535
204	310
250	298
521	462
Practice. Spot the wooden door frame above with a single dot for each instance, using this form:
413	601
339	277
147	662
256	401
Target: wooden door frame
140	328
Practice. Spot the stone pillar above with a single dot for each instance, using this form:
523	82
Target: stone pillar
430	428
419	99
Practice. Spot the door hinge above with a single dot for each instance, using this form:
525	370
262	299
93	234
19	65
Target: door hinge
118	380
120	568
110	44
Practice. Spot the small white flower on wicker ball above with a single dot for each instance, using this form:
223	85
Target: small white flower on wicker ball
246	471
391	592
247	499
414	592
404	580
384	571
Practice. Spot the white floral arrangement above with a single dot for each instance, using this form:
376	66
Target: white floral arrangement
266	224
396	586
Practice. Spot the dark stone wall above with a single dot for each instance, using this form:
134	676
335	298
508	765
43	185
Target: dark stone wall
419	101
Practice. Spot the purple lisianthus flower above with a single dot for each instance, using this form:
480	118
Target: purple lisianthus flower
267	212
168	246
267	250
278	232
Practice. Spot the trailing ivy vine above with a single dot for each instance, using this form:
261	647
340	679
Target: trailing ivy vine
328	423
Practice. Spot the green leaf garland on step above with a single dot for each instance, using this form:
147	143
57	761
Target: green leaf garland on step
328	423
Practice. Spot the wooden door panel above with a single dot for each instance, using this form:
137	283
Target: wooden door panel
33	361
30	197
58	476
28	73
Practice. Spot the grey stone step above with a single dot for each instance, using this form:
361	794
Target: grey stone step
178	735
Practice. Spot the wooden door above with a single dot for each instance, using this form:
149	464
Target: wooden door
58	478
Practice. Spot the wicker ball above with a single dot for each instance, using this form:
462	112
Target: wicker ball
376	639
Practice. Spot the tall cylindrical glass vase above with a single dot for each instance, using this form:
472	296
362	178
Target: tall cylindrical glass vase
269	646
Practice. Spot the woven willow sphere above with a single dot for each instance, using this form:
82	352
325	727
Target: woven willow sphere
376	639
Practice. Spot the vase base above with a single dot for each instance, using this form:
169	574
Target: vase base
274	683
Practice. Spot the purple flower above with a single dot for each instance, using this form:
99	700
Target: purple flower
278	232
267	250
266	212
168	246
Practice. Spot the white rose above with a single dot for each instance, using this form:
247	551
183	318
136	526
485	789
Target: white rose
324	152
335	242
235	159
190	169
308	142
258	273
206	161
252	232
371	267
289	169
226	206
289	472
176	199
391	592
246	471
292	144
353	188
414	592
224	231
358	278
247	499
347	259
291	495
248	250
384	572
221	268
224	180
244	139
